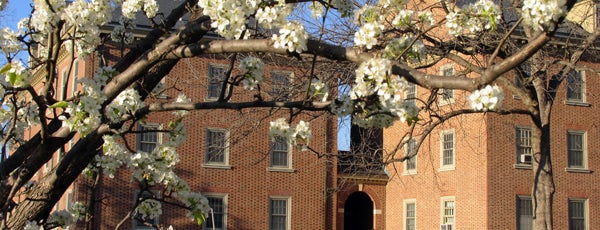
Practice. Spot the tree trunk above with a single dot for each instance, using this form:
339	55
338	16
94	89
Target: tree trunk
543	183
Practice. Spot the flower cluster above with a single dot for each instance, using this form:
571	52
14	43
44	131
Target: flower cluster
85	115
318	91
476	17
114	156
374	98
197	205
371	24
292	36
79	210
543	14
127	102
270	17
488	98
32	225
122	32
252	69
295	136
405	48
229	17
9	41
149	209
16	75
131	7
87	17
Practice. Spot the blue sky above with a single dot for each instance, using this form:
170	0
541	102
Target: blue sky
10	16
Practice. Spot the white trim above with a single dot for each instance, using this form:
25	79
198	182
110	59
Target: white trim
583	146
288	216
279	168
586	211
288	90
570	101
224	197
404	203
216	164
150	126
208	77
407	171
452	166
443	201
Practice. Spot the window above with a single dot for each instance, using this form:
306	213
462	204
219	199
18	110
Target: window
447	94
217	217
143	223
411	93
410	165
75	76
524	213
410	214
448	211
577	214
69	200
524	145
576	149
64	85
280	153
147	139
279	213
216	76
217	146
575	86
280	85
447	155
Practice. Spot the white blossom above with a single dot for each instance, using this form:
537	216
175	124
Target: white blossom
543	14
488	98
291	36
61	218
253	71
149	209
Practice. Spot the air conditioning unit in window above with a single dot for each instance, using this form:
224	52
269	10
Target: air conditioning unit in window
446	227
526	158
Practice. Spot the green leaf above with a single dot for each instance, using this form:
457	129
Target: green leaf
199	218
5	68
12	78
60	104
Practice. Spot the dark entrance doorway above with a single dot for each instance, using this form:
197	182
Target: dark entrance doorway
358	212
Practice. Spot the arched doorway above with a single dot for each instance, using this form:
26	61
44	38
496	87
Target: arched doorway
358	212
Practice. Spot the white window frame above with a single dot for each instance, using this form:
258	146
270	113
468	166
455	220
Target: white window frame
281	168
407	150
523	146
152	126
583	149
134	220
275	92
585	211
443	216
209	80
288	210
446	167
519	211
75	76
224	197
443	100
411	93
582	90
405	213
216	164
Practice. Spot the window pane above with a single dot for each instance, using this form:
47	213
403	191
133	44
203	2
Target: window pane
525	213
410	216
411	163
216	76
448	152
574	86
523	144
216	146
280	84
278	214
218	212
575	150
147	141
448	212
279	152
577	214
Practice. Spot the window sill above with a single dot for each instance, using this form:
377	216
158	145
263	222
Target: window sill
577	103
443	101
216	166
409	172
286	170
447	168
522	166
578	170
